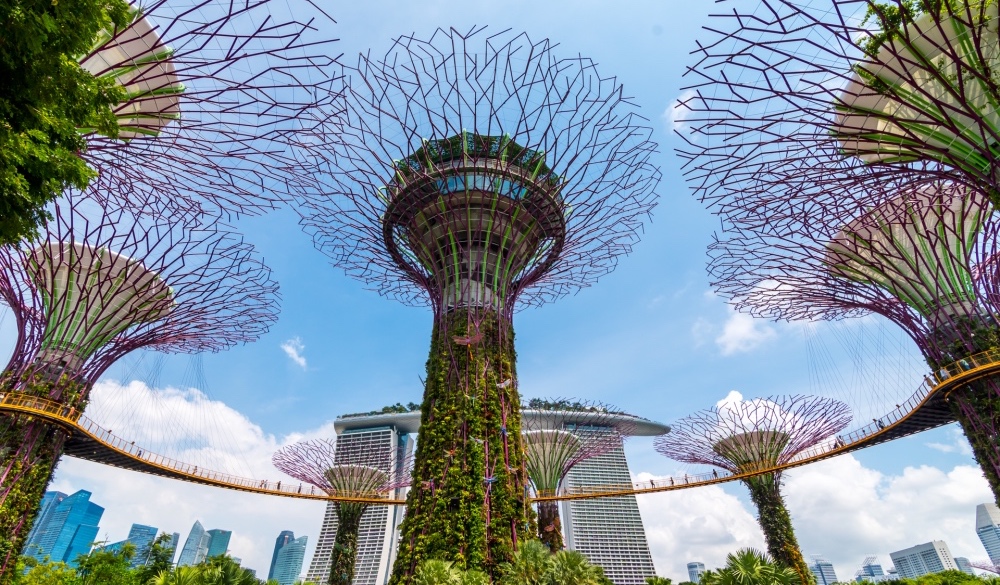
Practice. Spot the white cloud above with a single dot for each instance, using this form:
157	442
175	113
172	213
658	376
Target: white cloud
840	509
742	333
679	110
957	444
293	348
191	427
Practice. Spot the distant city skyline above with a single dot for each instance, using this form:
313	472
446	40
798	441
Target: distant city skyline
65	527
289	554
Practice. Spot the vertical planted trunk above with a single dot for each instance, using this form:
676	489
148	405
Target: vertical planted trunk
345	545
549	525
776	523
467	501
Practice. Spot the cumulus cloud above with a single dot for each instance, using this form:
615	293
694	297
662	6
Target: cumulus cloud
679	110
294	348
742	333
957	443
841	510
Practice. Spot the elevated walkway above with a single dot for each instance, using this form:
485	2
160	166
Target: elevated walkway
926	409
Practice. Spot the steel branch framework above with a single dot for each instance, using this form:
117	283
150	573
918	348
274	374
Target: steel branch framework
797	97
218	95
95	285
315	462
478	174
556	441
754	435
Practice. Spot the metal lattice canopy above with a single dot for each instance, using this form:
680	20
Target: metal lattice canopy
97	284
482	169
795	100
556	440
315	462
754	435
218	95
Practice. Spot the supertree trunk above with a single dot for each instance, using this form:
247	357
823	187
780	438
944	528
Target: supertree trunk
774	520
467	501
977	408
549	526
345	546
29	452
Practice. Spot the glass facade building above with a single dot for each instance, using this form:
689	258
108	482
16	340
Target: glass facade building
218	542
66	528
195	547
288	560
823	570
284	537
988	529
695	571
871	570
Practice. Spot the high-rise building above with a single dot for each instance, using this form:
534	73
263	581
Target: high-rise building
141	537
288	562
823	570
284	538
608	531
49	502
695	571
871	570
171	545
923	559
381	441
68	530
218	542
988	529
964	565
195	547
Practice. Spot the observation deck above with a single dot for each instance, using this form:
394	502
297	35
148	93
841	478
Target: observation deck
926	409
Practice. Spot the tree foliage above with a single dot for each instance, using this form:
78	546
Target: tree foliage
45	98
750	567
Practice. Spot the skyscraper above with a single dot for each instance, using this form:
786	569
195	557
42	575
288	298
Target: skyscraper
218	542
695	570
175	539
288	561
823	570
195	547
931	557
284	538
68	529
380	441
964	565
141	537
988	529
871	570
49	502
608	531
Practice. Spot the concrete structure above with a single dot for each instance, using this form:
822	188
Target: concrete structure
964	565
608	531
923	559
195	547
218	542
68	528
695	571
871	570
288	561
823	570
988	529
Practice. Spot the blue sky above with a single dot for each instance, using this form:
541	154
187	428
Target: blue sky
649	338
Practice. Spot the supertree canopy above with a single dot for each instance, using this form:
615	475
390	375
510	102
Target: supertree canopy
216	94
315	462
478	173
555	440
92	287
790	96
925	258
755	436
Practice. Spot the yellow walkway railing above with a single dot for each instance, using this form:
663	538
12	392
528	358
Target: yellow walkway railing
110	446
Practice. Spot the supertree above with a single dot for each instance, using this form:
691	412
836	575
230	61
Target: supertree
925	257
788	97
92	287
216	97
755	436
555	440
477	174
315	462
